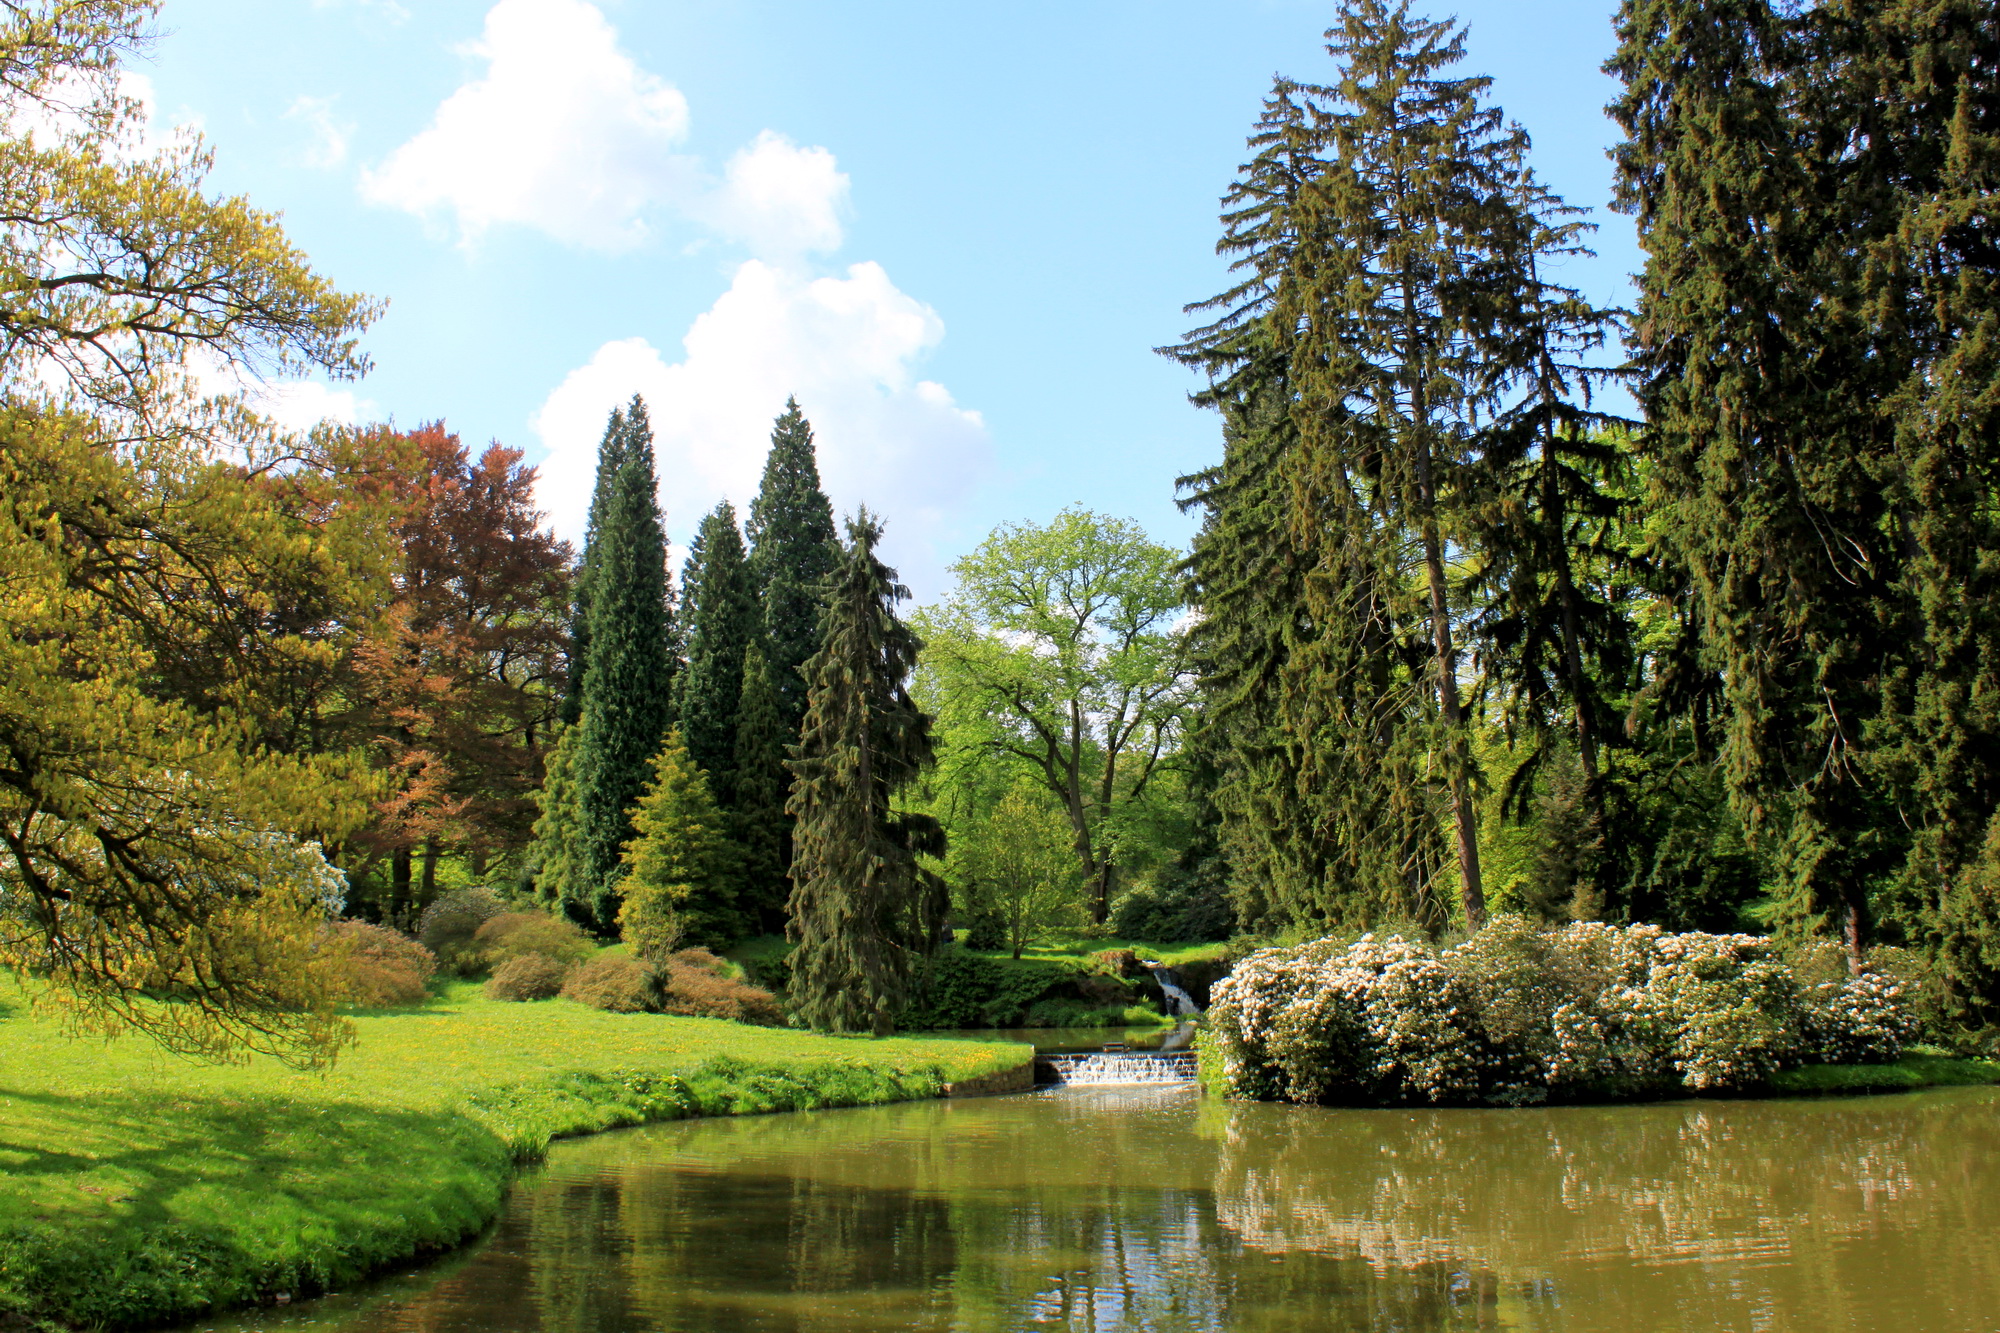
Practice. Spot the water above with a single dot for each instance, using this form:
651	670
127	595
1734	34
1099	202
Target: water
1152	1209
1111	1067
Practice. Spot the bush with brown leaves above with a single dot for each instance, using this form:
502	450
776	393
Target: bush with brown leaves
530	976
384	969
619	985
516	934
699	986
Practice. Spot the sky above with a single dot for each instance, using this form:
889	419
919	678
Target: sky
955	232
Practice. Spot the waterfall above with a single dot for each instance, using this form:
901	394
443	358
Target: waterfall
1109	1067
1179	1002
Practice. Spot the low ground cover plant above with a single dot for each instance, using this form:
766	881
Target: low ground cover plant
1520	1013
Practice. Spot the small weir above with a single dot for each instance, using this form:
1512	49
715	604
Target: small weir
1115	1067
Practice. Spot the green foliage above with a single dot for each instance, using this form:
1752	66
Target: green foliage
680	880
529	976
1817	373
964	990
448	925
722	619
1056	655
865	915
761	828
1018	866
627	685
794	551
557	854
514	935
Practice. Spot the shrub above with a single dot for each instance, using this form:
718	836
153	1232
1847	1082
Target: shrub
448	925
1517	1014
1179	907
528	976
1117	962
383	968
619	985
515	934
697	984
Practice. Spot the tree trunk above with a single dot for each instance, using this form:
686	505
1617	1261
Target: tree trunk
399	885
429	882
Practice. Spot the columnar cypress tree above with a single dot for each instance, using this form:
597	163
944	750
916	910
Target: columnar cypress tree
1813	188
629	674
865	914
793	551
610	456
758	763
721	619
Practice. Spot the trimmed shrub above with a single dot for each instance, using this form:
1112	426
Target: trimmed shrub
384	968
529	976
515	934
448	925
1519	1014
618	985
698	985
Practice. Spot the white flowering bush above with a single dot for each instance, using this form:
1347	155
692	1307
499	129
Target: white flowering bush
1520	1013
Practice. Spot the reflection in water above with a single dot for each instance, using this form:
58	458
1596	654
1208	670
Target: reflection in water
1155	1210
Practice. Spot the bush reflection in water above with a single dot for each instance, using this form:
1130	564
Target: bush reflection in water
1156	1210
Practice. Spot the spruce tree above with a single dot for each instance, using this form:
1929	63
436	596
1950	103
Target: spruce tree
721	619
793	552
680	882
865	915
628	676
759	821
557	876
610	456
1813	188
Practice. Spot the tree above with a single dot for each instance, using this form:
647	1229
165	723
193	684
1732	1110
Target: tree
680	882
865	913
1062	640
610	457
1811	185
1018	866
462	675
759	821
721	619
628	681
793	552
152	874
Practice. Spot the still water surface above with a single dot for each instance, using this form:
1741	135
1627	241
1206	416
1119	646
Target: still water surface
1114	1209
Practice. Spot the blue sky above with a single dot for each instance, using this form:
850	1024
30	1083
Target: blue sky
955	231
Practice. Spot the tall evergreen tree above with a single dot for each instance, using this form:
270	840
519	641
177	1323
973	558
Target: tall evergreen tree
865	915
760	824
1816	339
793	552
681	881
610	457
721	619
629	675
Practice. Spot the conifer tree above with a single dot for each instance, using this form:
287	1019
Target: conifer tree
628	677
793	552
721	619
610	456
760	824
558	873
679	885
865	914
1812	186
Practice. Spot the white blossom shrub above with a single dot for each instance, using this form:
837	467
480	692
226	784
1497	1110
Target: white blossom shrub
1519	1013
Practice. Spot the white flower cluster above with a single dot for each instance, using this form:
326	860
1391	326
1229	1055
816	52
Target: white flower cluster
1519	1012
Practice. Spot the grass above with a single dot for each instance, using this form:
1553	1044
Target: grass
138	1189
1912	1071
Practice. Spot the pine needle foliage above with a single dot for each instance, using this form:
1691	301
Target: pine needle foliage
721	619
759	820
865	914
1817	334
680	885
610	457
629	676
793	552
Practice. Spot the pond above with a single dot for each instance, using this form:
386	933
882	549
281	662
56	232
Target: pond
1155	1209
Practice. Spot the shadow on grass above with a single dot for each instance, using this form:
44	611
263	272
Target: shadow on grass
186	1204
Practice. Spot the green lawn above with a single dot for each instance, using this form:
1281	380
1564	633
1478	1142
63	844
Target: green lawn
135	1187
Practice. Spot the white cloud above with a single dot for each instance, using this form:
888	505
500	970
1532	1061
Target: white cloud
330	136
563	133
845	346
780	199
391	12
299	405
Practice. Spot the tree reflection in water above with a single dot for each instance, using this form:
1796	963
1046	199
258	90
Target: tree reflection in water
1155	1210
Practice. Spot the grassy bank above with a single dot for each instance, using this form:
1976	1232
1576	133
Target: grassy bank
135	1188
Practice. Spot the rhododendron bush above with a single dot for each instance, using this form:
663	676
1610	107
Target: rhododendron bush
1521	1013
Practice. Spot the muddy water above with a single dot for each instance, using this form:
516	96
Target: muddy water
1156	1210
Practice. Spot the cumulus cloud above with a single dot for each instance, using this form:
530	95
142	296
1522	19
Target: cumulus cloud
846	346
781	200
302	404
330	136
563	133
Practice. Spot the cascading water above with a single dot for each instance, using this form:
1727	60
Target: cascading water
1114	1067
